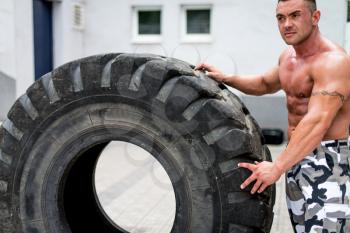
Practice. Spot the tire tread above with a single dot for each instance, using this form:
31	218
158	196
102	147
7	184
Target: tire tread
224	123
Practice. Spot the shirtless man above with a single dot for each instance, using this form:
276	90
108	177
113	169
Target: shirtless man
315	75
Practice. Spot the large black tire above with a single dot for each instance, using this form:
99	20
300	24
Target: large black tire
196	128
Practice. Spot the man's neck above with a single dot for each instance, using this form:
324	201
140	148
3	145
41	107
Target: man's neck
310	46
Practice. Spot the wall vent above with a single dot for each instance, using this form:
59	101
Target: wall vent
78	17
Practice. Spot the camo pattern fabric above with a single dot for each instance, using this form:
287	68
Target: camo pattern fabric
318	190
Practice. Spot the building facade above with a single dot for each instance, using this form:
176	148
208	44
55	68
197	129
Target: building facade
235	35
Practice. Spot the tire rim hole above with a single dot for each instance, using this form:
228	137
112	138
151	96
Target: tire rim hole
133	189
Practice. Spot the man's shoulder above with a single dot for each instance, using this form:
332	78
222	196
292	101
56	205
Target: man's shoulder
331	63
331	58
286	53
335	56
331	50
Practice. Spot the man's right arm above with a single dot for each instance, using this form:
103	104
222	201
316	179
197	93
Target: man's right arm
250	84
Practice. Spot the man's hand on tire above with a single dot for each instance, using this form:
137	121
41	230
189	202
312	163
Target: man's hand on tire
212	72
264	173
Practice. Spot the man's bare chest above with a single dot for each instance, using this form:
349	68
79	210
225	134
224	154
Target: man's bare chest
295	78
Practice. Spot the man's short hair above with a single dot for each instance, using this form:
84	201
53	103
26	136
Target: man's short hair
311	3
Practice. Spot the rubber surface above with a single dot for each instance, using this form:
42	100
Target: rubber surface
197	129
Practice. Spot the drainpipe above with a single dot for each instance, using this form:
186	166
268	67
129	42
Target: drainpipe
43	44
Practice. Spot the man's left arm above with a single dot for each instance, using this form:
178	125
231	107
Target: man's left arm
331	88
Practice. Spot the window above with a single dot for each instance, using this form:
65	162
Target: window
348	10
149	22
198	21
196	25
147	27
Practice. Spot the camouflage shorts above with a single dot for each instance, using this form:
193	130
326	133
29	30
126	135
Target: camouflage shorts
318	190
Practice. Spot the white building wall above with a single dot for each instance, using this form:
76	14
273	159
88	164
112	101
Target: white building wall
245	35
68	43
24	45
333	19
7	38
16	42
347	38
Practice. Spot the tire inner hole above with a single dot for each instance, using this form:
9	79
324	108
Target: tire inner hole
118	187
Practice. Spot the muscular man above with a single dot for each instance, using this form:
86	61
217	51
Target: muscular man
315	75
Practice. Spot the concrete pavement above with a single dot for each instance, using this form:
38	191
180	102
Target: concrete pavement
281	221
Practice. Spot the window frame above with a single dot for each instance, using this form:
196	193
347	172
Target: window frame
196	37
145	38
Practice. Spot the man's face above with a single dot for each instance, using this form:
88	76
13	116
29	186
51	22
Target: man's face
295	21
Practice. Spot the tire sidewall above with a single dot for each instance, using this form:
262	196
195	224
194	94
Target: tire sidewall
66	137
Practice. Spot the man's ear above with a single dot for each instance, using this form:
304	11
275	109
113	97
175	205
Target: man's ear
316	15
